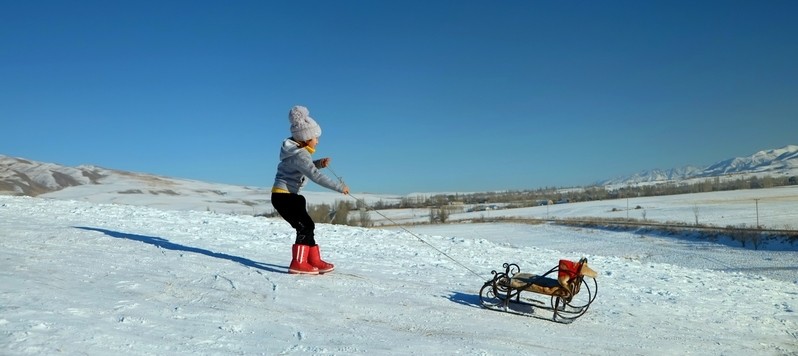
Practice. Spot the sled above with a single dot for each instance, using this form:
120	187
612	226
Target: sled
562	294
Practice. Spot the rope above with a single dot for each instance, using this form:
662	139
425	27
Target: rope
363	202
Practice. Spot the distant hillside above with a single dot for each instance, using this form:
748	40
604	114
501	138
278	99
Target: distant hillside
20	176
23	177
774	162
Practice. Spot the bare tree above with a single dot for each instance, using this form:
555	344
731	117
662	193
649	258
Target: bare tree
321	213
365	219
695	212
438	215
341	213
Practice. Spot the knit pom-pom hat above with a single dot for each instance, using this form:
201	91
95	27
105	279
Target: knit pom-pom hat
303	127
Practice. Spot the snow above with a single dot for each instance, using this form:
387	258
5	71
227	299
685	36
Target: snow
185	194
774	207
87	278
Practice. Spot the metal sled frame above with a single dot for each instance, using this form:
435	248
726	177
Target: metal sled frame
569	297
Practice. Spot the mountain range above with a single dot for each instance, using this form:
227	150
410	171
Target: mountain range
773	162
19	176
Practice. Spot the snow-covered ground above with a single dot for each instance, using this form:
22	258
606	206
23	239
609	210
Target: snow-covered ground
81	278
775	208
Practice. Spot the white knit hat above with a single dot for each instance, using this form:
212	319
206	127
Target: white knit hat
303	127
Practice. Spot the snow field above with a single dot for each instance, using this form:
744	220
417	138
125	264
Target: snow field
79	278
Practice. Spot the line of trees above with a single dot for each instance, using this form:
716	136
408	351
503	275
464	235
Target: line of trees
525	198
441	205
340	213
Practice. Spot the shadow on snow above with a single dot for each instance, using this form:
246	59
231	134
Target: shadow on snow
166	244
471	300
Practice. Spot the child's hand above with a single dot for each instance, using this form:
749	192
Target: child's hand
346	190
325	162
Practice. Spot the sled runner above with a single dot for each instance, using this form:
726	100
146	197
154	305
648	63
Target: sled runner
569	292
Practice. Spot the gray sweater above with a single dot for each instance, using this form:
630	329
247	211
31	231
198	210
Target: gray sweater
296	165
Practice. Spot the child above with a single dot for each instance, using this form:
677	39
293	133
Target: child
295	166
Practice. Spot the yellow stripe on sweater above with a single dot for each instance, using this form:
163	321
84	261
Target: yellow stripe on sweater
279	190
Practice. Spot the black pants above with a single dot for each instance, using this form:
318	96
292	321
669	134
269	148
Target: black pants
292	207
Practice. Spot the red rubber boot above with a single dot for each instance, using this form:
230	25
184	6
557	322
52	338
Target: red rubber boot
299	260
314	258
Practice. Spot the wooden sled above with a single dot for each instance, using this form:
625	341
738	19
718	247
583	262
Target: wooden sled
568	292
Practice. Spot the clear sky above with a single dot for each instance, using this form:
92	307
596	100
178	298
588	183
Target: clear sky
412	96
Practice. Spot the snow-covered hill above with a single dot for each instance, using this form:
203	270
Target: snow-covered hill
656	175
97	279
774	162
100	185
19	176
777	160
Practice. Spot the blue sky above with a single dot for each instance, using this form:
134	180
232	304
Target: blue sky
412	96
